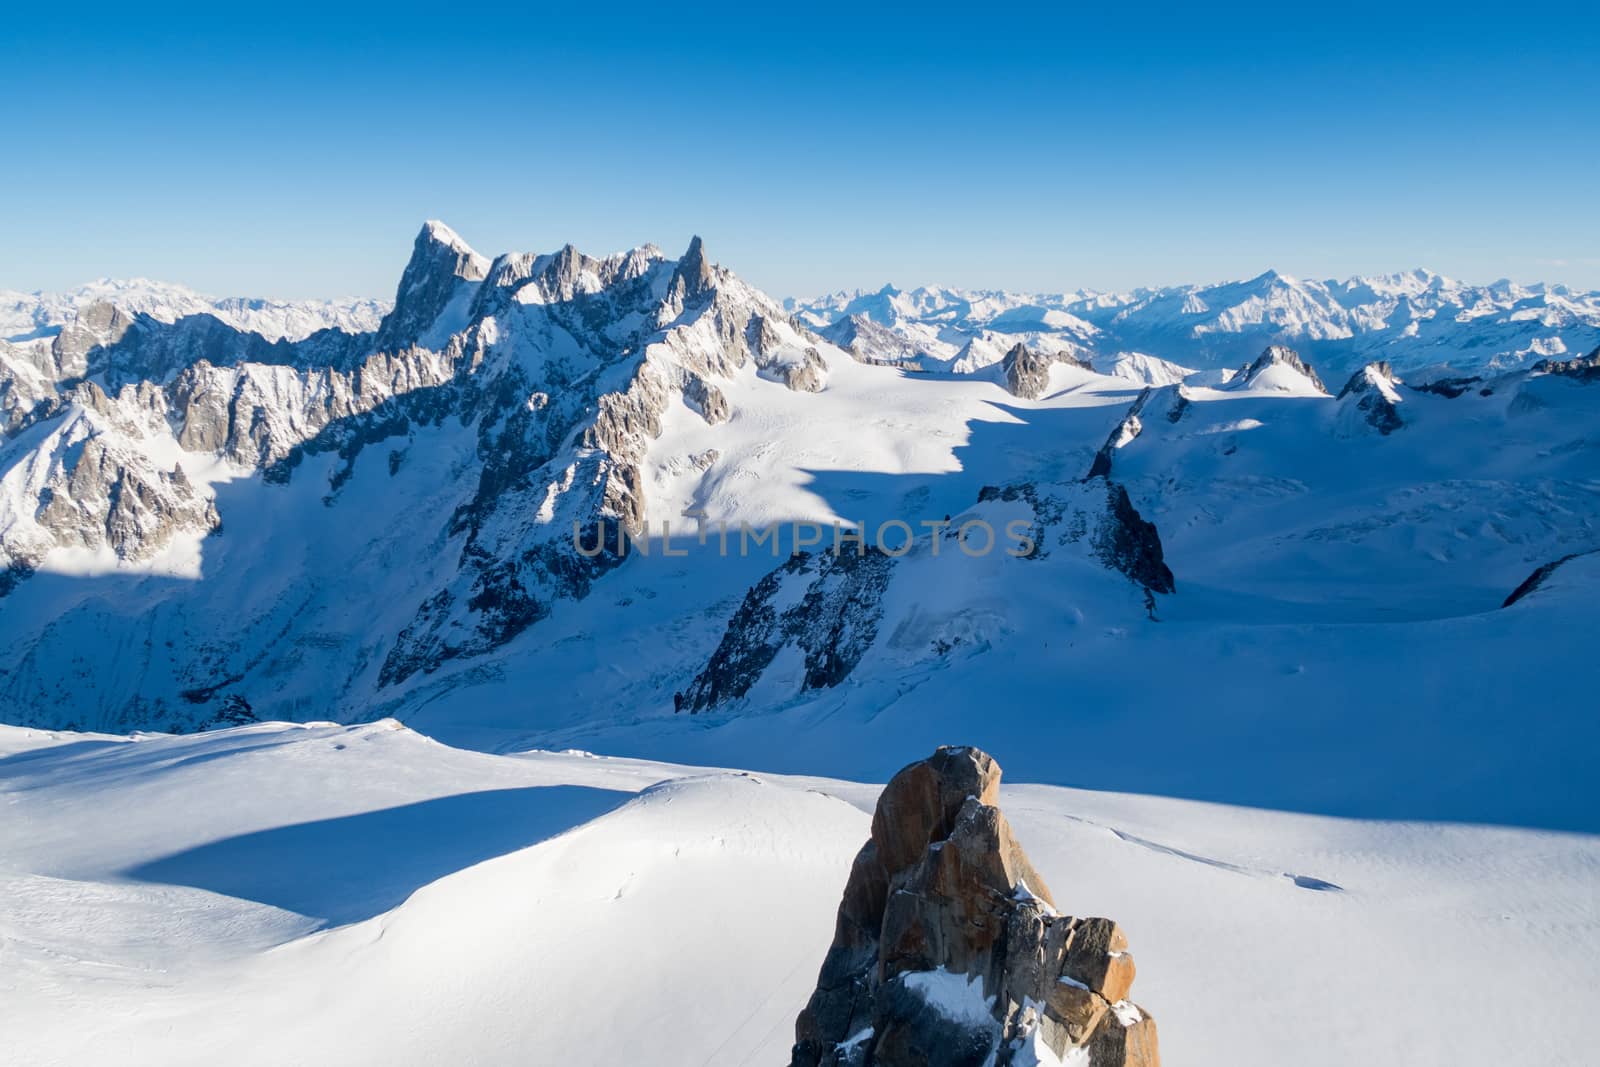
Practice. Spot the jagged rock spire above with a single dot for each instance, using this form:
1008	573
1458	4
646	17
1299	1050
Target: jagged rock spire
440	262
693	278
943	905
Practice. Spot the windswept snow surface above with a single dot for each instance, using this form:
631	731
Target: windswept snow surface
323	894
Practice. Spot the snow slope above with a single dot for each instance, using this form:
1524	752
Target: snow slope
365	895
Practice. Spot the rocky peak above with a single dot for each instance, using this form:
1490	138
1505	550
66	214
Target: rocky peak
694	277
1278	356
1372	393
1376	375
1027	373
949	950
440	263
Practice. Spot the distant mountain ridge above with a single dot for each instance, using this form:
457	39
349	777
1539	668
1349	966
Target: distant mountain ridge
1414	319
30	316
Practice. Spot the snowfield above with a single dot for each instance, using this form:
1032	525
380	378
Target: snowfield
327	894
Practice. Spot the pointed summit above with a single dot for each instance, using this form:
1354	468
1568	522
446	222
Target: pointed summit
1372	394
1280	369
693	277
440	263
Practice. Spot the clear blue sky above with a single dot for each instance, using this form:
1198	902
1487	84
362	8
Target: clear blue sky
293	151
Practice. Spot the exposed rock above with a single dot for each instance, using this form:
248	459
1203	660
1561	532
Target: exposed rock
441	267
948	949
872	343
832	623
708	400
817	615
1449	388
1027	373
1101	514
1125	431
1583	369
1372	392
1260	372
694	279
808	375
1532	582
96	493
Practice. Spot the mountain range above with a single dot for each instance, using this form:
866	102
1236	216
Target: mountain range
466	508
1271	597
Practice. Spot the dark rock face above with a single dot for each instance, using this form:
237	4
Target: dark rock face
1449	388
1130	544
440	262
835	599
1280	354
1532	582
1372	390
1117	535
1027	373
832	623
708	400
948	950
1585	369
1125	431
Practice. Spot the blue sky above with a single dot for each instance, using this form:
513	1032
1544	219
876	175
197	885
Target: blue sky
293	151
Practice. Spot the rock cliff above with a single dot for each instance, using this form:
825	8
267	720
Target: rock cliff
949	951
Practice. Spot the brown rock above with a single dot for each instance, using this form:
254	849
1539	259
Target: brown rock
944	895
1126	1038
1076	1010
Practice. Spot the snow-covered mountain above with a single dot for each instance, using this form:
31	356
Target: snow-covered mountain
464	512
1415	320
1144	544
29	316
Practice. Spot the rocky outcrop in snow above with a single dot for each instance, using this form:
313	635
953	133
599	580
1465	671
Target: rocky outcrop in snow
1535	581
831	623
812	620
1373	395
949	950
1099	516
1026	373
1280	369
98	491
1585	369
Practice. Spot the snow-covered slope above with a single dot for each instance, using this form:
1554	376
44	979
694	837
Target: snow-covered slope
346	895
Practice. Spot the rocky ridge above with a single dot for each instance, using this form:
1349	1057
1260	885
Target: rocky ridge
814	618
1373	392
557	368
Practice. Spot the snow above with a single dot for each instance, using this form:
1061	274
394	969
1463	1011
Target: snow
40	315
1410	319
364	894
1334	775
957	997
